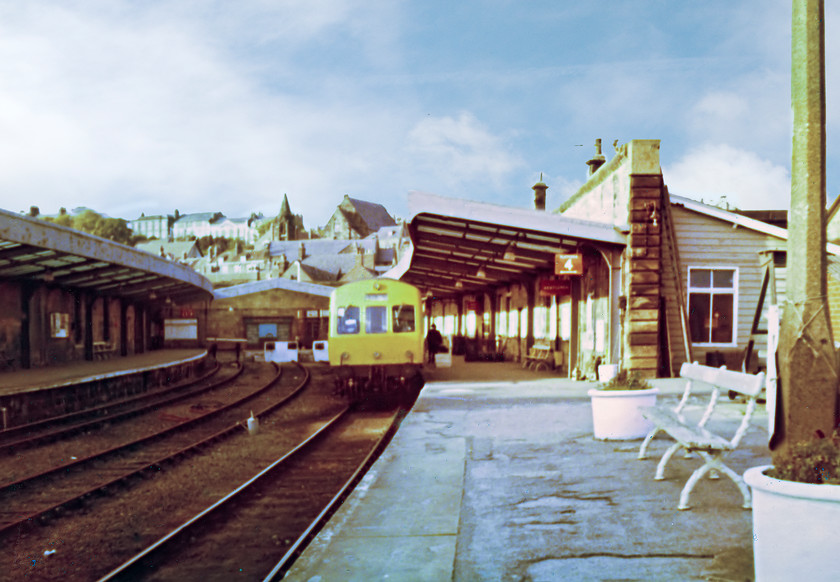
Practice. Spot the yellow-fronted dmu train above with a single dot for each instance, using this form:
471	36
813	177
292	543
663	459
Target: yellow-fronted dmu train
376	338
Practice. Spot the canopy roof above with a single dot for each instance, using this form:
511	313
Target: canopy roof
32	249
461	246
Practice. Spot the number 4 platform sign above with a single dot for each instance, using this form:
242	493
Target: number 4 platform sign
568	264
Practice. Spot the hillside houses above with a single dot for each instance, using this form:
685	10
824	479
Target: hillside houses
361	241
153	227
356	219
321	261
183	227
186	252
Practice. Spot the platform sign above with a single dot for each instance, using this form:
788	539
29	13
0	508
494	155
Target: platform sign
559	287
568	264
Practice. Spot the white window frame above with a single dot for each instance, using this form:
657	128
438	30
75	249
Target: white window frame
711	291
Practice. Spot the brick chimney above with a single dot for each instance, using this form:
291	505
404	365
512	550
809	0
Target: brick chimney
360	254
301	251
597	160
539	194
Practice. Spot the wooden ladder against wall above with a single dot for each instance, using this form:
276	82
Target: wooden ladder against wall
758	334
671	241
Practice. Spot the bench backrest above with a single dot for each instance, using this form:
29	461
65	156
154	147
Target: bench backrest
721	379
747	384
695	371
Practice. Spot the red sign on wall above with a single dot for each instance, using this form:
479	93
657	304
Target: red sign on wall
568	264
555	287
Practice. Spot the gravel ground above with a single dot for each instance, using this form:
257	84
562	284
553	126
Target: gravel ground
86	543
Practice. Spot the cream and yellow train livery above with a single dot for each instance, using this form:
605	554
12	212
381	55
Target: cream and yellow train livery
376	337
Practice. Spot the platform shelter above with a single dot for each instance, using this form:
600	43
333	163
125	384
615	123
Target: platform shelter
68	296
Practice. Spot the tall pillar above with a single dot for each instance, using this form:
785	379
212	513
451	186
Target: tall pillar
88	330
530	290
807	359
614	354
123	327
642	286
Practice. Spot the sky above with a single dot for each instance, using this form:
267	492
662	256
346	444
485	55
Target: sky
156	105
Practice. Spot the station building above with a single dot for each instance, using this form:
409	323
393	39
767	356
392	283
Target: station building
270	310
622	274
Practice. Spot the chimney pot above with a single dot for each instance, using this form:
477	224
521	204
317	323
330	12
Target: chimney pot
597	160
539	193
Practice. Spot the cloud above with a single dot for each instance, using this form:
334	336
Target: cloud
461	151
129	108
744	178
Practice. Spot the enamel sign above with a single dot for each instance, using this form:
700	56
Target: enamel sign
568	264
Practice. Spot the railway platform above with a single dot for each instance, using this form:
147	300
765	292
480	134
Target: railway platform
495	475
29	395
44	378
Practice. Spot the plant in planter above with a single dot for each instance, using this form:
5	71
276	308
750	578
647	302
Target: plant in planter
616	405
800	493
625	381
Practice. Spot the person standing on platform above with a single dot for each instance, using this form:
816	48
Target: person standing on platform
433	343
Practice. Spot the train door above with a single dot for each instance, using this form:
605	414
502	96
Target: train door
311	331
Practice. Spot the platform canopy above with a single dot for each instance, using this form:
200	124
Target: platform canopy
461	246
43	252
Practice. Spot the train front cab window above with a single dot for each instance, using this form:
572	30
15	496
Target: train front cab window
347	320
403	316
376	319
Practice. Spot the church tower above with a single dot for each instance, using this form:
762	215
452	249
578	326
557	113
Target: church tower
283	227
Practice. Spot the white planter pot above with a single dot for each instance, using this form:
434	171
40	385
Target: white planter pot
616	415
794	528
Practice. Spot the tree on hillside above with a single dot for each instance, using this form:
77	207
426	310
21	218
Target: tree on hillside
115	229
63	219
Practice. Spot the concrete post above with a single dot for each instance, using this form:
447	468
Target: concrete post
808	363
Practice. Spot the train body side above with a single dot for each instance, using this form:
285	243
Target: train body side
376	322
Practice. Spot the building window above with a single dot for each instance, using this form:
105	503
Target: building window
712	297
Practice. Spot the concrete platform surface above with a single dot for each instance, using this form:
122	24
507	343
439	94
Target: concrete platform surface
501	479
19	381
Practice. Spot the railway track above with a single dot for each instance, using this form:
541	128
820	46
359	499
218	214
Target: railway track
32	498
257	530
110	529
24	436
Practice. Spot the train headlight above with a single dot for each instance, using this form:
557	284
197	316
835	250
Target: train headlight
376	355
345	356
409	355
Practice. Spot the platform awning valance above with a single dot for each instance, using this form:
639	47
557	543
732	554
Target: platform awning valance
462	246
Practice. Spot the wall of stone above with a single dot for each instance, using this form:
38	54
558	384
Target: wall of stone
228	318
627	192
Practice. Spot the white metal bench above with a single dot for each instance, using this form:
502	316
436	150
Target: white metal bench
692	437
540	357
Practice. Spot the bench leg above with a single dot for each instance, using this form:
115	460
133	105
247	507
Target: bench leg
660	468
713	464
646	442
